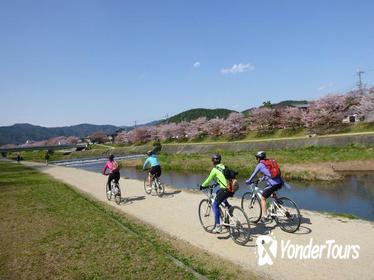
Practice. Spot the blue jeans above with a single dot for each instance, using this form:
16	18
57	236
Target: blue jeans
221	196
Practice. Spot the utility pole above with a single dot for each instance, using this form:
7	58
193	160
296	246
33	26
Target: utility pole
135	124
359	83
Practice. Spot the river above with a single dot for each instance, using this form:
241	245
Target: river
353	195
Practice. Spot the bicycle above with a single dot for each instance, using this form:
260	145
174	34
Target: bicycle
157	186
234	218
283	210
114	190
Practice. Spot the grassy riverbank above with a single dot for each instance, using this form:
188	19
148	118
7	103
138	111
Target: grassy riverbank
313	163
48	230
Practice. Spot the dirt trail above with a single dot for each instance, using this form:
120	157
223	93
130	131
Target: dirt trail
176	214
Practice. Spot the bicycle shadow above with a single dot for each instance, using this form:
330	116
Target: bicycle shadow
266	228
225	235
170	194
131	199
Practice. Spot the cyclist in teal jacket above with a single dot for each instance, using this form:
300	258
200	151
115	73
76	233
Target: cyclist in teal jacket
155	168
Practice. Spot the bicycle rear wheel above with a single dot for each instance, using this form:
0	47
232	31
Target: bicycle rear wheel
206	215
239	226
251	205
160	188
147	187
287	214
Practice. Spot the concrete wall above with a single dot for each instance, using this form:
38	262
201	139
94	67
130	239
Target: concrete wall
364	140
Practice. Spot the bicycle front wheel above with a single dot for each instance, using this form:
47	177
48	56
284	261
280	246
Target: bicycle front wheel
287	214
117	196
206	215
251	205
147	187
108	192
239	226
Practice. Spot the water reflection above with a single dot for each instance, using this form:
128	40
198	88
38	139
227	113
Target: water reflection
354	194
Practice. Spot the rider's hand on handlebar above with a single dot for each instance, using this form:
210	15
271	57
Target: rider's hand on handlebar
201	187
248	182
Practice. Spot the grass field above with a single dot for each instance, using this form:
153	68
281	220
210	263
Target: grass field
48	230
245	162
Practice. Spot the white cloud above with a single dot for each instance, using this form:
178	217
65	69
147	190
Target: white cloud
325	86
238	68
196	65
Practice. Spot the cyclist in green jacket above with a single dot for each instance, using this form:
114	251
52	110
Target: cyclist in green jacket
222	194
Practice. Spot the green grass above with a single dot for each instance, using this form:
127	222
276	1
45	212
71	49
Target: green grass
244	162
48	230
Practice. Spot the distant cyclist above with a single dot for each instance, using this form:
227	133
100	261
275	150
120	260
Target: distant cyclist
222	194
18	158
155	168
114	174
271	175
46	157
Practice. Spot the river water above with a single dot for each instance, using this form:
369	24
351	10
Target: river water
354	194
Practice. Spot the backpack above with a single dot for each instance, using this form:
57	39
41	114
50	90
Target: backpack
273	167
115	166
230	175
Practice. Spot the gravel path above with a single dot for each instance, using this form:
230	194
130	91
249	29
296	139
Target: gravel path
176	214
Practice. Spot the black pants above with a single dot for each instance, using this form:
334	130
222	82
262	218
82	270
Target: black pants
155	170
113	176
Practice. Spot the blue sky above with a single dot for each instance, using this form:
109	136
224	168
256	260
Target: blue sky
114	62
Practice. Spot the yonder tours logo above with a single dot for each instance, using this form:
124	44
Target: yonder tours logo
269	249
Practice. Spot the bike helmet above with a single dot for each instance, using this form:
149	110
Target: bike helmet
149	153
216	158
111	157
261	155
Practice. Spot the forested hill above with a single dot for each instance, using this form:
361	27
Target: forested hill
20	133
194	114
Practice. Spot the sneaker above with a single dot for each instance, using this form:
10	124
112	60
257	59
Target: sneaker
217	229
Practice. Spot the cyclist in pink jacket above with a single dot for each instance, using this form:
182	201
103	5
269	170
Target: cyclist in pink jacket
113	167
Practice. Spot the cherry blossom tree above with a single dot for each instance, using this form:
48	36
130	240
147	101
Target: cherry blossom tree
291	118
366	105
73	140
122	138
326	114
195	129
264	119
167	131
140	135
213	127
234	126
98	137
